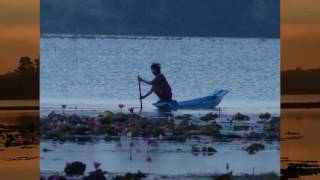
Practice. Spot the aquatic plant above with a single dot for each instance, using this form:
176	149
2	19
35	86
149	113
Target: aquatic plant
63	108
209	116
211	130
148	159
227	167
227	176
131	109
241	117
148	141
75	168
98	174
121	106
134	176
113	125
96	164
254	148
209	149
265	116
46	150
54	177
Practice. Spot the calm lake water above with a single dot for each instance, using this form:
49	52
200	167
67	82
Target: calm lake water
165	159
101	71
306	122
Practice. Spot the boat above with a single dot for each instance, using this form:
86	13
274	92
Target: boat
207	102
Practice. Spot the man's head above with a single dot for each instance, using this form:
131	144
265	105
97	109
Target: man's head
155	68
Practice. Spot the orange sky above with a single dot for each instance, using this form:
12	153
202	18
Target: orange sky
300	34
19	31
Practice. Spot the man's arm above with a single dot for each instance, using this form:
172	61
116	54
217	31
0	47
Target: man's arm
151	90
145	81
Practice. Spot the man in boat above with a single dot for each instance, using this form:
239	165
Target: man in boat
160	85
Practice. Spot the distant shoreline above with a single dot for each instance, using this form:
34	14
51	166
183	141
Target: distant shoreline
20	108
154	37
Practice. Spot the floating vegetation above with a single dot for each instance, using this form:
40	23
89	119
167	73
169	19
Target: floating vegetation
254	148
74	128
14	136
75	168
209	116
99	174
81	129
296	169
241	117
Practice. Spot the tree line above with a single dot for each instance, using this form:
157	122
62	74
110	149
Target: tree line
23	82
300	81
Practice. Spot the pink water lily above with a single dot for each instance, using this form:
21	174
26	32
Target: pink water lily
131	110
121	106
148	159
148	141
119	125
96	164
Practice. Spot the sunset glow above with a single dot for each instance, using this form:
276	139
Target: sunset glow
300	34
19	31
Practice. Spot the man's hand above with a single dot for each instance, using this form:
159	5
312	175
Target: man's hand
142	97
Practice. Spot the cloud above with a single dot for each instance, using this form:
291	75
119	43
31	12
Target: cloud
22	12
300	12
19	32
300	31
19	3
300	46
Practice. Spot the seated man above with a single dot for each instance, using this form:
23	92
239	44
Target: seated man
160	85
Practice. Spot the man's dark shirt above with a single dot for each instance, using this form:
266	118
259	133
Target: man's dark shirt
162	87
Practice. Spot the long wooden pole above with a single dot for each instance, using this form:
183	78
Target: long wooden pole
140	94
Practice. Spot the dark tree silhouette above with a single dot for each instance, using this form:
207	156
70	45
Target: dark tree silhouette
300	81
23	82
26	66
